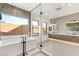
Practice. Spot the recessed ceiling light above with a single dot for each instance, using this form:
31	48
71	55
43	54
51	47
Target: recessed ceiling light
63	3
69	5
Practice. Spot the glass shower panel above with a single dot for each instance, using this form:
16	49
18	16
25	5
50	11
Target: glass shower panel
42	38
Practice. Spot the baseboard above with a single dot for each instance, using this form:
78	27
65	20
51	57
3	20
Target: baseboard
65	42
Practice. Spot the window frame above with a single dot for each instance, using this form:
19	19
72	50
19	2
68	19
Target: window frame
32	34
44	28
9	15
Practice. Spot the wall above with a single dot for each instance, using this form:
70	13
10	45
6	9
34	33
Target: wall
12	10
65	19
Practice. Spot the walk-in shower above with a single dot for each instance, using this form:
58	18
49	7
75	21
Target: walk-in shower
21	32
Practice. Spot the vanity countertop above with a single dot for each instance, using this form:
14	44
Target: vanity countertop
66	35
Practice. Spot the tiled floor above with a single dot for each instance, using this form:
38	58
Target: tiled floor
36	52
59	49
40	54
53	47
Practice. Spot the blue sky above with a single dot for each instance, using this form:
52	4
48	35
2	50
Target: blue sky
14	20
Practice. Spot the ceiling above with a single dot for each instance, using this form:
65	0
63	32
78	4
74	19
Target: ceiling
51	10
25	6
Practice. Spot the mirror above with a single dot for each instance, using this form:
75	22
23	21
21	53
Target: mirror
73	28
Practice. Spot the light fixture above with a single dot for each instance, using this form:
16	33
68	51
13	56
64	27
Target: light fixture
63	3
69	5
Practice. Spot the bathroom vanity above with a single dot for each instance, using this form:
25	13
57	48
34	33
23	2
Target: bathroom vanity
65	37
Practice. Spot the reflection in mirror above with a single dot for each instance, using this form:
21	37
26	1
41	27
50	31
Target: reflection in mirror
73	28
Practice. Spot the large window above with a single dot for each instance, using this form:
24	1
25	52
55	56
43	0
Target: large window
35	28
11	25
44	28
14	20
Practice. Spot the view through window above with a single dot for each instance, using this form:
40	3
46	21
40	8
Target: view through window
35	27
11	25
44	28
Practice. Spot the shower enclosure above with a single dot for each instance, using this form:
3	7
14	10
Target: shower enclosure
22	32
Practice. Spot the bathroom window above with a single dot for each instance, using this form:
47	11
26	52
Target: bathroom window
11	25
35	28
44	28
14	20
